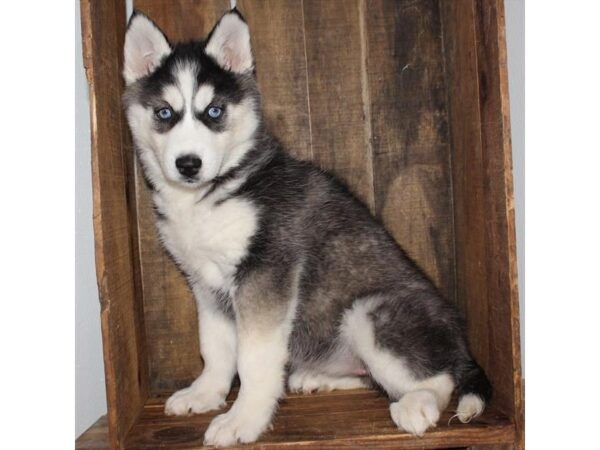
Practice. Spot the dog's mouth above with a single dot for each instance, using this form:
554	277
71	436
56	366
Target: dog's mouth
190	180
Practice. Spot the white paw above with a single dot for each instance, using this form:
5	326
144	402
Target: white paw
415	412
193	401
236	425
303	382
307	382
469	406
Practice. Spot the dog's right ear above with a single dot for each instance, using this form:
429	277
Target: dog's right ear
145	47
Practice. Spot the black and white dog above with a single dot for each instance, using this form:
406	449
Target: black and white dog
289	270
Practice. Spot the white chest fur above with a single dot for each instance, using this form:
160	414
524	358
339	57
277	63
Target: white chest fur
208	239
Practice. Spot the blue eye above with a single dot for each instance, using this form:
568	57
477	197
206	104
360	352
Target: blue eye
164	113
214	112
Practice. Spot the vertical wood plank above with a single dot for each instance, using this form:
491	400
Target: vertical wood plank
277	35
103	27
170	310
335	59
411	167
485	236
468	173
500	232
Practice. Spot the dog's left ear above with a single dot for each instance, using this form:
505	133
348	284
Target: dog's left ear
229	43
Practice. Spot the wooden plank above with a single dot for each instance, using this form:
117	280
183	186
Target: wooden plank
411	167
500	230
183	20
484	213
335	62
468	174
350	419
103	27
95	437
277	35
170	311
492	447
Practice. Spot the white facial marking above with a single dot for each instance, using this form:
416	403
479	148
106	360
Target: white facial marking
203	97
186	82
173	97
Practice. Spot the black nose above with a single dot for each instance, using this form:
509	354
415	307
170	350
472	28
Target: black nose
188	165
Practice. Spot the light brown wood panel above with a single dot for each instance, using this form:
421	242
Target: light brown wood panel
277	35
103	25
336	77
170	310
411	167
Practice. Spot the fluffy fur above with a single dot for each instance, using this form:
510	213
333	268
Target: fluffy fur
290	271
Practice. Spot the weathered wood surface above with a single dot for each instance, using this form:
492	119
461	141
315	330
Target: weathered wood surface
411	151
95	437
103	25
352	419
335	57
277	34
486	272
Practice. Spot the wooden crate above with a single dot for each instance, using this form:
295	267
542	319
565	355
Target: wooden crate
405	100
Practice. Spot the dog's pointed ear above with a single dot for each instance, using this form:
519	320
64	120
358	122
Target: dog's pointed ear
229	43
145	47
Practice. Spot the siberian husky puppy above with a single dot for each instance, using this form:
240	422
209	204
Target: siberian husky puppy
291	274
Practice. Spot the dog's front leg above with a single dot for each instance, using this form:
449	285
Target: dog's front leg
218	344
263	332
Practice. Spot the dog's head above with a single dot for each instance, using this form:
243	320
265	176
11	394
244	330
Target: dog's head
193	108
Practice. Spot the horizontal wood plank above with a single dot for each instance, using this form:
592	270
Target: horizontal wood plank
341	419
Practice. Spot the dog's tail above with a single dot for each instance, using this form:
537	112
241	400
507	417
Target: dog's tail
474	391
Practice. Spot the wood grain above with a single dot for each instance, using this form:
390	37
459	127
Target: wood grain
411	151
170	310
277	35
352	419
334	58
483	198
95	437
500	231
103	25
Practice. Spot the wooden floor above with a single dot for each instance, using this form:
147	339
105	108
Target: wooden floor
341	419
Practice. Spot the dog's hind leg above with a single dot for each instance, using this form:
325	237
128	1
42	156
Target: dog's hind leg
417	401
